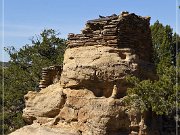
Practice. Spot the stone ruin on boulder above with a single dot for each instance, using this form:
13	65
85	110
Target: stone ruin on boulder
107	50
89	97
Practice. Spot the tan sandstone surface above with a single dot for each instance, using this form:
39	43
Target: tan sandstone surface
78	112
89	97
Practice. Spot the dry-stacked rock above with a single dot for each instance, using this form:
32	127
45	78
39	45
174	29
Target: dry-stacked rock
119	31
89	100
50	75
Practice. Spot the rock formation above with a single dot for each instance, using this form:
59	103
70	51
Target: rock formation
105	52
89	98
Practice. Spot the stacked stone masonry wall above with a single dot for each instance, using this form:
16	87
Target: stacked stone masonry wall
121	31
50	75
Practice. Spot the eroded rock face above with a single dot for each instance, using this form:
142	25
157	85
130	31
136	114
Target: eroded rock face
78	112
98	68
95	116
46	103
36	129
89	99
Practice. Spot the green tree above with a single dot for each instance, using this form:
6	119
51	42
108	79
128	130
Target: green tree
159	95
24	72
162	42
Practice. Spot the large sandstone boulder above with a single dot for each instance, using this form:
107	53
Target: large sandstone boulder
98	68
89	99
77	112
46	103
36	129
92	115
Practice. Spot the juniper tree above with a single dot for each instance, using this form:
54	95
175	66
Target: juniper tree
24	72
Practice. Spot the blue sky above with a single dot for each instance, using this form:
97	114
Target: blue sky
25	18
